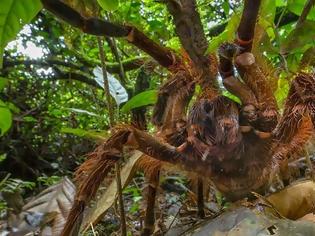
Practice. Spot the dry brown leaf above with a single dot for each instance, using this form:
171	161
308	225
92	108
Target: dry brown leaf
107	199
295	200
47	212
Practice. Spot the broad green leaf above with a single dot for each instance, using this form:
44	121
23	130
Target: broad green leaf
84	133
280	3
29	119
268	10
293	62
13	15
13	107
268	27
173	43
227	35
108	5
282	89
299	38
3	157
296	6
226	7
142	99
3	83
5	118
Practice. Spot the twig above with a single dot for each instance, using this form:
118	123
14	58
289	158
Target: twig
5	179
177	213
121	202
122	76
93	231
113	46
111	123
106	86
280	17
307	8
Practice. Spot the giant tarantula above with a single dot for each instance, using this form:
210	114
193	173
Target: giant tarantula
237	146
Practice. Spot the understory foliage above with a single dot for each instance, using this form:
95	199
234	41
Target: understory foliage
53	108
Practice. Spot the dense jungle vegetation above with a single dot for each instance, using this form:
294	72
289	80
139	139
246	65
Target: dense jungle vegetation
86	83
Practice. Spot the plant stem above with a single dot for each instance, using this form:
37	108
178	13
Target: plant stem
114	49
111	123
121	201
106	86
307	8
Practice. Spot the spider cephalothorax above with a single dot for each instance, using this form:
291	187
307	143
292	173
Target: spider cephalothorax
237	146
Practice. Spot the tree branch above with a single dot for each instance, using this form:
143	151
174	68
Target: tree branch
164	56
112	44
60	75
246	28
44	63
284	20
94	26
307	8
113	68
189	29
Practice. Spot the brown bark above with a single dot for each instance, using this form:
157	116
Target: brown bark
189	30
162	55
99	27
246	28
130	64
307	8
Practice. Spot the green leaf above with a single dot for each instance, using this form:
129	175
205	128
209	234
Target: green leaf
232	97
108	5
268	10
3	82
3	157
142	99
296	6
299	38
49	180
283	88
5	118
13	107
29	119
173	43
84	133
280	3
227	35
268	27
226	7
13	15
